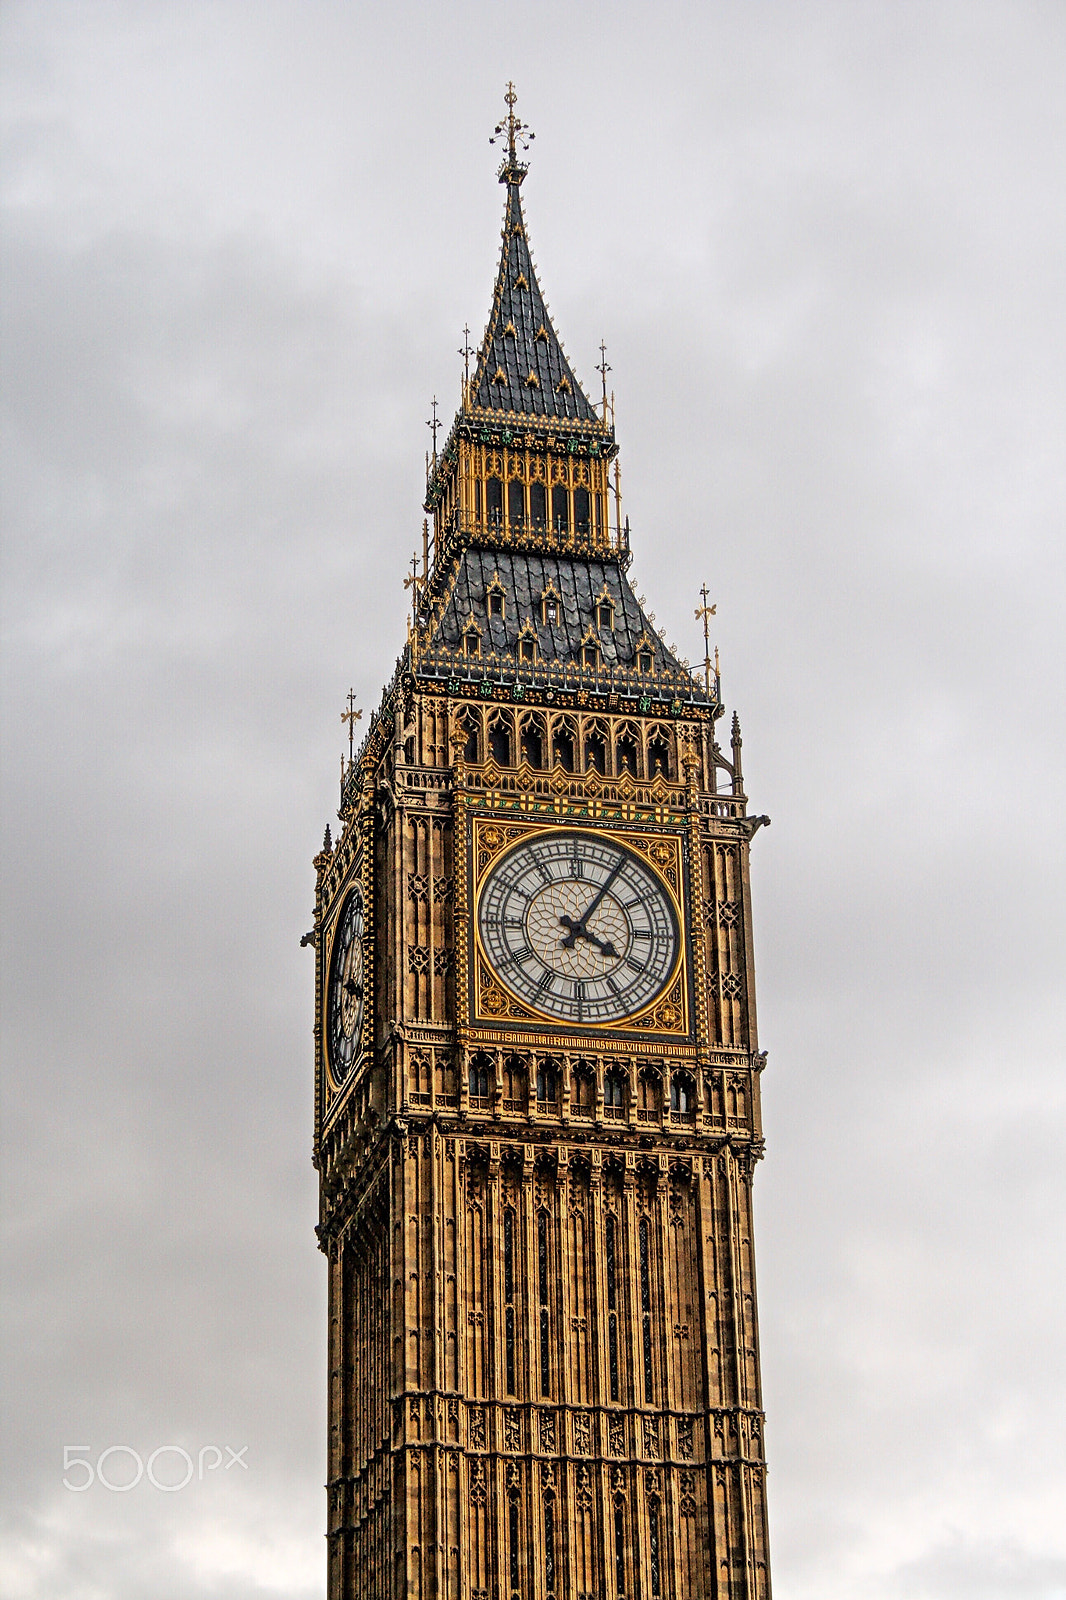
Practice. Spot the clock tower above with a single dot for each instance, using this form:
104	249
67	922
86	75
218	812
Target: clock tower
537	1070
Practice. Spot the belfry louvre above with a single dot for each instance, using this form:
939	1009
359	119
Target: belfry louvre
537	1068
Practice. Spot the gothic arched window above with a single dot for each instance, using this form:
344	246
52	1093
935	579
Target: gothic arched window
561	508
596	752
470	725
500	741
680	1093
563	746
547	1082
582	1089
514	1084
533	740
659	756
626	756
479	1076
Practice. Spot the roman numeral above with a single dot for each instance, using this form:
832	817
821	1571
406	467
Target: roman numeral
642	933
634	966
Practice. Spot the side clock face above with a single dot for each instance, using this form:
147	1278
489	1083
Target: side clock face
578	928
344	1003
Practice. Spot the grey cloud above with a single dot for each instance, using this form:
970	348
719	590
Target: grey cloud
824	250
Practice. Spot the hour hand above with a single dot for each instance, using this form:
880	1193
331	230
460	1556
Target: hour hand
578	930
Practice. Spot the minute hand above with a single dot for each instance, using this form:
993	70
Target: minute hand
579	927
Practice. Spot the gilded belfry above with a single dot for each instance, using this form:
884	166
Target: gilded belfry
537	1071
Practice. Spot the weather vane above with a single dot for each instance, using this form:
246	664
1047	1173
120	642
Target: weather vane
411	582
518	133
603	369
707	612
466	352
351	717
434	423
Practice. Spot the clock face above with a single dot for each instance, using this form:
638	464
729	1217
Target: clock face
578	927
345	993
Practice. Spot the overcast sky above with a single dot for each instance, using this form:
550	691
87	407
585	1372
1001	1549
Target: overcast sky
825	246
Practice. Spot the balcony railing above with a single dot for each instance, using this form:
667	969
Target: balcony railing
501	533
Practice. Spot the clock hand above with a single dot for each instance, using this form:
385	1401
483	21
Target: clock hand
580	927
577	930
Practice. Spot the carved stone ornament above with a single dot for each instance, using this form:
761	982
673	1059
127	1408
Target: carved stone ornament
418	958
582	1433
547	1430
616	1442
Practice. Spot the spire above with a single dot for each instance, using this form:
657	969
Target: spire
520	365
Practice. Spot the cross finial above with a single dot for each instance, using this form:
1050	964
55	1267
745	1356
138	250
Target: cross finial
707	612
518	134
434	423
351	717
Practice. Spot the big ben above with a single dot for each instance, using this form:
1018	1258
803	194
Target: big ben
537	1112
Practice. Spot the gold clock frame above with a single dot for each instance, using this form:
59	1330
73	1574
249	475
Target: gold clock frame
491	1005
353	881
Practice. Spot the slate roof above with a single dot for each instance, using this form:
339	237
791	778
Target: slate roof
524	578
520	341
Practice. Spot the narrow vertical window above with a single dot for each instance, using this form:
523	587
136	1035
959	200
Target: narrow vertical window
645	1306
653	1547
549	1547
508	1295
512	1540
561	509
542	1285
619	1550
612	1308
508	1256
